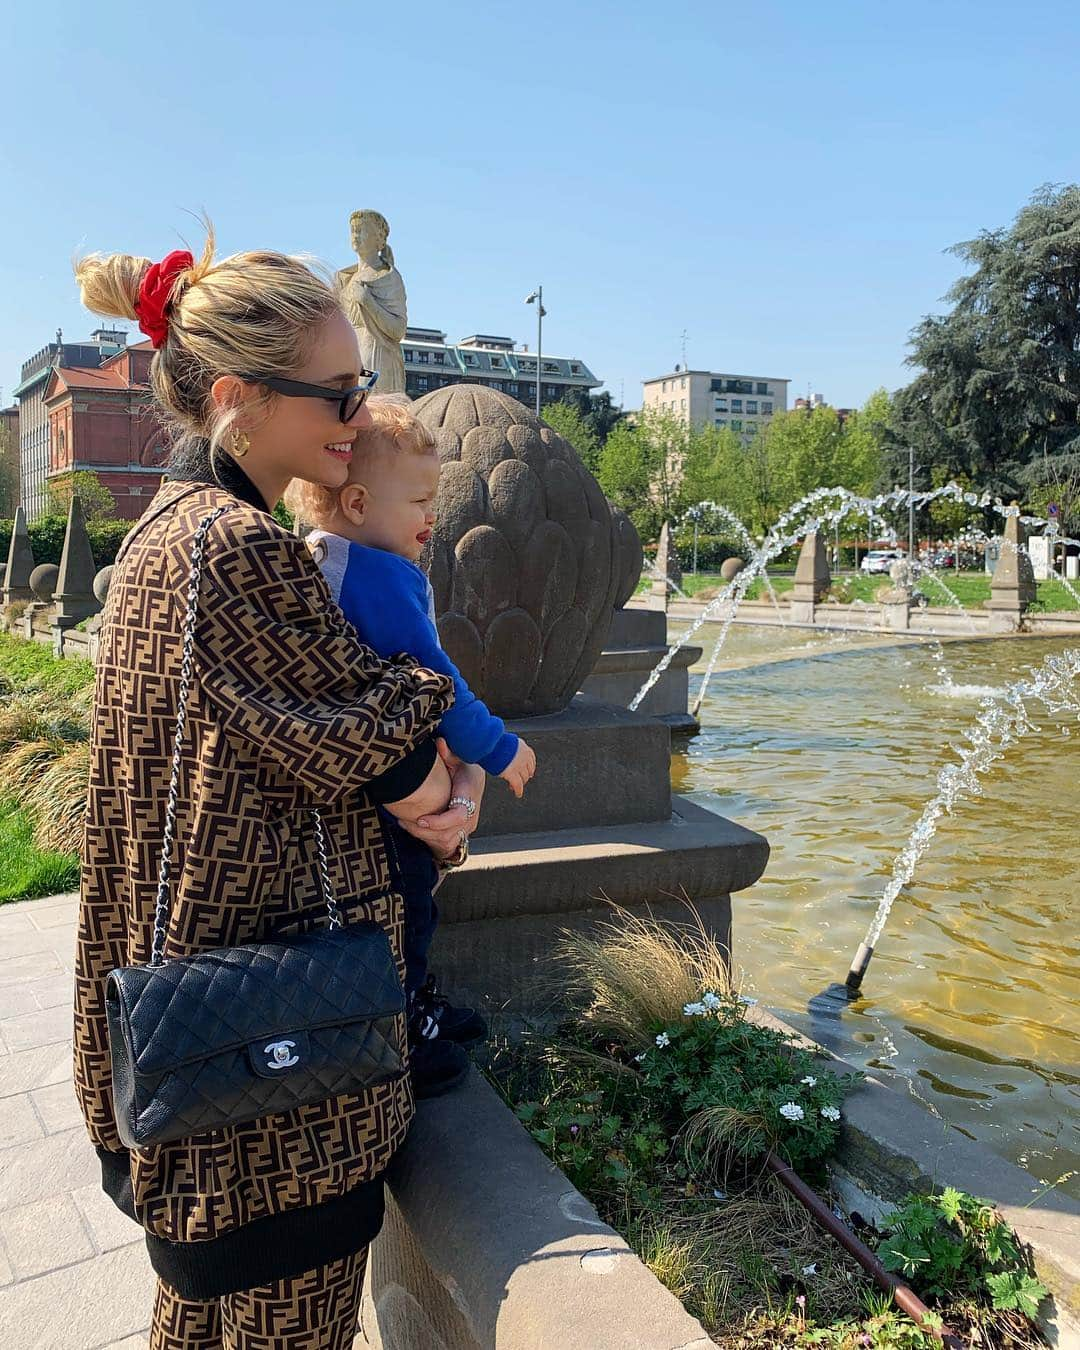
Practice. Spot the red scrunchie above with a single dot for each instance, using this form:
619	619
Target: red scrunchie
155	292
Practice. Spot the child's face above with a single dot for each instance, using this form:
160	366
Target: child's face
399	510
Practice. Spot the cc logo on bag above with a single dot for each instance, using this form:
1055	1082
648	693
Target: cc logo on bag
280	1056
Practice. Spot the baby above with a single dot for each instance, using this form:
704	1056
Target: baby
368	536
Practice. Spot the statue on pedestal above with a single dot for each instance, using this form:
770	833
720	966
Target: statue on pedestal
372	295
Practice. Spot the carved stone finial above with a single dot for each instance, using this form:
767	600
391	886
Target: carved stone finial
523	560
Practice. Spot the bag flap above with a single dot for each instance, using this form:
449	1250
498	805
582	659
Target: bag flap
189	1009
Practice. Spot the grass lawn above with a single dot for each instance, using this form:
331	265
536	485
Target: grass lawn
31	665
26	872
970	588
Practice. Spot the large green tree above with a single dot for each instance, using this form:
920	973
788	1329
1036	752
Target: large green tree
566	419
998	389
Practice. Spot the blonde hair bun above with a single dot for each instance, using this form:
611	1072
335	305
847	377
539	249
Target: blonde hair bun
109	283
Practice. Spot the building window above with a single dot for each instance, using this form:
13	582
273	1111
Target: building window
469	359
736	424
511	386
751	405
496	363
528	365
683	385
736	405
762	388
422	382
721	404
766	408
551	368
664	390
683	402
575	369
422	357
439	358
721	421
408	355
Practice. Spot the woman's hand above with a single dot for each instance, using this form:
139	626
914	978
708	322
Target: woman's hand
442	830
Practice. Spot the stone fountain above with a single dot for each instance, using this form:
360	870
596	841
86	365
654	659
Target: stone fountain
528	562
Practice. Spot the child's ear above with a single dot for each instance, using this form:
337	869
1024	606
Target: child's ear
354	502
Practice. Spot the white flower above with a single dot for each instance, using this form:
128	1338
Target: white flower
711	1001
749	1002
663	1040
809	1080
830	1113
791	1111
639	1058
811	1269
694	1010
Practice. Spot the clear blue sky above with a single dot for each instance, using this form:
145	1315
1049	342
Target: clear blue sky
778	179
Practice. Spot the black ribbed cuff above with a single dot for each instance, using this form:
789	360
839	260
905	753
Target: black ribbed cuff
404	777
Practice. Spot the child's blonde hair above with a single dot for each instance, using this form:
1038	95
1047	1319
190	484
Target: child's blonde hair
394	430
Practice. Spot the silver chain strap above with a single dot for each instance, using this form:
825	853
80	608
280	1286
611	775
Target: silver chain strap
161	910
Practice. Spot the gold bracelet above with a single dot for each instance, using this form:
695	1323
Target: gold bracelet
459	856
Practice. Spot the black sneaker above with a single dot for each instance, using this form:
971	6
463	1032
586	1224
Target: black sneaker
436	1067
454	1024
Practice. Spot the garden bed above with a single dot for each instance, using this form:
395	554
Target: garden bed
659	1104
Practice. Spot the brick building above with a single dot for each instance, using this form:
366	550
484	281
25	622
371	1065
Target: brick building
102	420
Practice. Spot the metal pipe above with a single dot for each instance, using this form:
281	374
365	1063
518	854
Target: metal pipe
903	1295
858	968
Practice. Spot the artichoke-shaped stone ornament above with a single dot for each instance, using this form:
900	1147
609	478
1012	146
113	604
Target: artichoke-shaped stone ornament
525	558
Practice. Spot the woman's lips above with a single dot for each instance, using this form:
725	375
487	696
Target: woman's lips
340	450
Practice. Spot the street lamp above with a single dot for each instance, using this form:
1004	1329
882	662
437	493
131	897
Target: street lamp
537	299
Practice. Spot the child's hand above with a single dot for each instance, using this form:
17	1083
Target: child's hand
520	769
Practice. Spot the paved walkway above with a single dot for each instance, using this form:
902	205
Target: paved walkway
73	1270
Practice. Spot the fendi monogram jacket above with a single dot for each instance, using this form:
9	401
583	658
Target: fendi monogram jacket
287	710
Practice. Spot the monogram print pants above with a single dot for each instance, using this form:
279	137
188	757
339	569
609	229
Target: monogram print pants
319	1310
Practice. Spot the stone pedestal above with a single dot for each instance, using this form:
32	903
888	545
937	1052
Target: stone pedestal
812	579
502	914
635	645
1012	588
20	562
896	615
598	822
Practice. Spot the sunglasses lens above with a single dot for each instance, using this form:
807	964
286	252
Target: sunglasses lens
352	405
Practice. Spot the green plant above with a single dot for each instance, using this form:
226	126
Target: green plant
953	1244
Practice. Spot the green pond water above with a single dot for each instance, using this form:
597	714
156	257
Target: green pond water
972	1001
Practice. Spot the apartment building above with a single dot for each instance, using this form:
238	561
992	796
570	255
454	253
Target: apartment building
710	398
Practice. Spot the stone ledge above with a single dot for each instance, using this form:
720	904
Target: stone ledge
495	1247
694	850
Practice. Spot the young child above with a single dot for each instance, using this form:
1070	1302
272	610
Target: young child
368	536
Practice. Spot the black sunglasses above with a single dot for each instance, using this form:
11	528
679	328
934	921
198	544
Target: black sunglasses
349	401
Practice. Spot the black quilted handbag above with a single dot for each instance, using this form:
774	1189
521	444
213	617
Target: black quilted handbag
235	1033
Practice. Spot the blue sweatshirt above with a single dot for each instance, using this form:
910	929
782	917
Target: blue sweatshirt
388	600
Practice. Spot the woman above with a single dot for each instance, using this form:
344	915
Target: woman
372	294
261	1227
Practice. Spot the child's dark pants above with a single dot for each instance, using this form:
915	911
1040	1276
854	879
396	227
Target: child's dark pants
414	874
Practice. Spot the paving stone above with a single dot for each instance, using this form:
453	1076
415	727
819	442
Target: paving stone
18	1123
55	916
44	1235
17	999
100	1302
57	1107
43	1027
29	943
52	1165
108	1226
13	921
53	991
28	965
29	1069
50	901
6	1273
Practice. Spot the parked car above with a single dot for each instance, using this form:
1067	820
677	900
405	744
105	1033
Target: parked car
881	559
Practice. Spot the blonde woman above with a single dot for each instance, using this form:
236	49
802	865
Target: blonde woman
258	1232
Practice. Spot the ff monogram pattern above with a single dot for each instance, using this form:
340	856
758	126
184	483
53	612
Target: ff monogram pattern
287	711
316	1311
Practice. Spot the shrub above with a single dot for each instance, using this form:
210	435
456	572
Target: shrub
47	538
712	550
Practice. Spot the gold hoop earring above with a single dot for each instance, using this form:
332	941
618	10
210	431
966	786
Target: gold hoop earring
239	444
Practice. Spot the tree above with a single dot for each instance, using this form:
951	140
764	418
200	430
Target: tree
566	419
641	467
9	470
598	412
97	501
999	381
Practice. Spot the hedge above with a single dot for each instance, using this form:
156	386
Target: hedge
47	539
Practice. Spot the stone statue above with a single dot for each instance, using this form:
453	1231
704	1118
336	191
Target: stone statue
372	294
